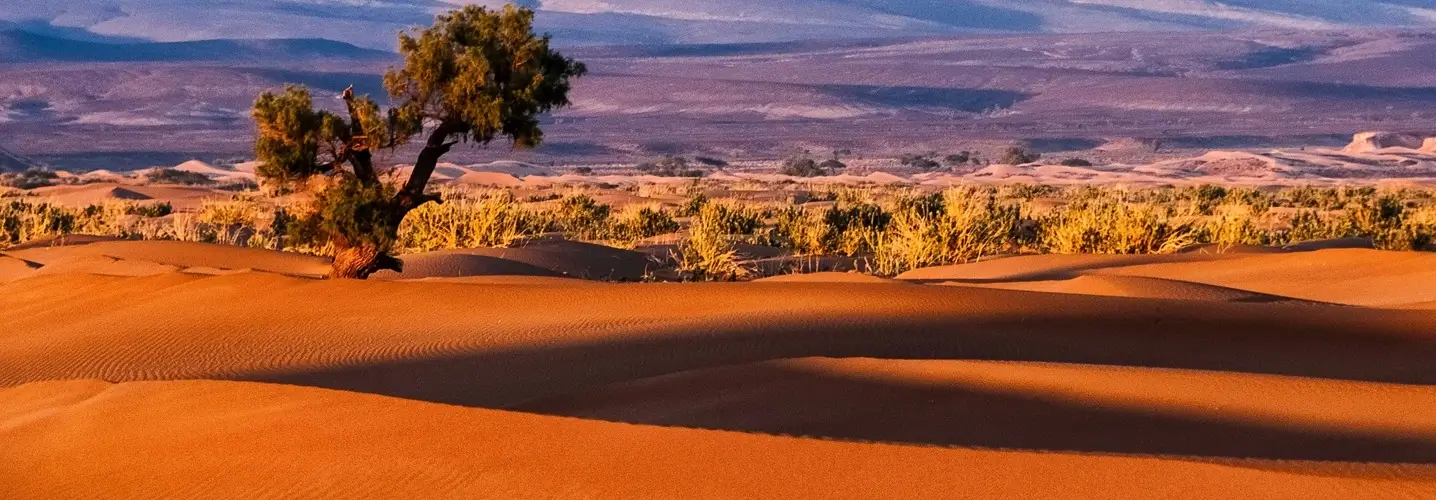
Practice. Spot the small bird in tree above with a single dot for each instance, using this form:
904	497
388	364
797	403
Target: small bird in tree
476	75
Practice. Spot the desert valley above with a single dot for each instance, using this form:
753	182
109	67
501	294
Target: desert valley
904	250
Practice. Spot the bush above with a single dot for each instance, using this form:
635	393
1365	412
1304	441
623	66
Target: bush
151	210
964	228
494	220
583	170
1075	162
581	217
646	222
923	162
708	253
172	176
31	178
671	166
803	166
1016	155
1109	225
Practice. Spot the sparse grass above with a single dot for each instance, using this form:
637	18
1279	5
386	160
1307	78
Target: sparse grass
893	229
492	219
708	253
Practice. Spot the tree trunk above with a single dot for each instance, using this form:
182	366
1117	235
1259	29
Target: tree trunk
360	261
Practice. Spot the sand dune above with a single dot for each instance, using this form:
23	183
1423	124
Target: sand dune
1032	406
1138	286
1172	376
246	440
12	268
179	254
1337	275
543	257
181	197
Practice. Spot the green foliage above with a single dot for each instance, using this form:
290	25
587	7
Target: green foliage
172	176
581	217
350	213
695	202
646	222
1075	162
475	75
160	209
483	73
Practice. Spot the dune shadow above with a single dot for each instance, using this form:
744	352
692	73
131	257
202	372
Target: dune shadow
774	399
1319	342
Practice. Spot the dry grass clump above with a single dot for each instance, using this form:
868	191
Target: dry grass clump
492	219
958	226
1108	225
708	253
23	221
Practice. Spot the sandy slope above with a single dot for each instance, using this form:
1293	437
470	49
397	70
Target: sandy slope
202	439
1033	406
1338	275
1181	376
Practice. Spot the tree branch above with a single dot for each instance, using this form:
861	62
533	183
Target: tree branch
437	145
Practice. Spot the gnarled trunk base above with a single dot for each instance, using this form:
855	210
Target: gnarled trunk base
358	262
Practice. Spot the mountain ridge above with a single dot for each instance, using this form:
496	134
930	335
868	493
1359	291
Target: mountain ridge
373	24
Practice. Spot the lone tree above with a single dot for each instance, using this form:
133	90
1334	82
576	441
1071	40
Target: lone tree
476	75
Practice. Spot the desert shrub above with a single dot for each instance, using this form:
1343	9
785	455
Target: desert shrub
1111	226
710	161
1017	155
923	162
803	166
495	220
691	205
708	253
583	170
1233	224
1075	162
732	218
645	222
964	228
22	221
172	176
31	178
670	166
581	217
152	210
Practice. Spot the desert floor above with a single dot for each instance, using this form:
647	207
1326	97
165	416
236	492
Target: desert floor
152	369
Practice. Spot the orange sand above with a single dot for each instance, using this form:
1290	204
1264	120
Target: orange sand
228	374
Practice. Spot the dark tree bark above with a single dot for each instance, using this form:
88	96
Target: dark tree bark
361	261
